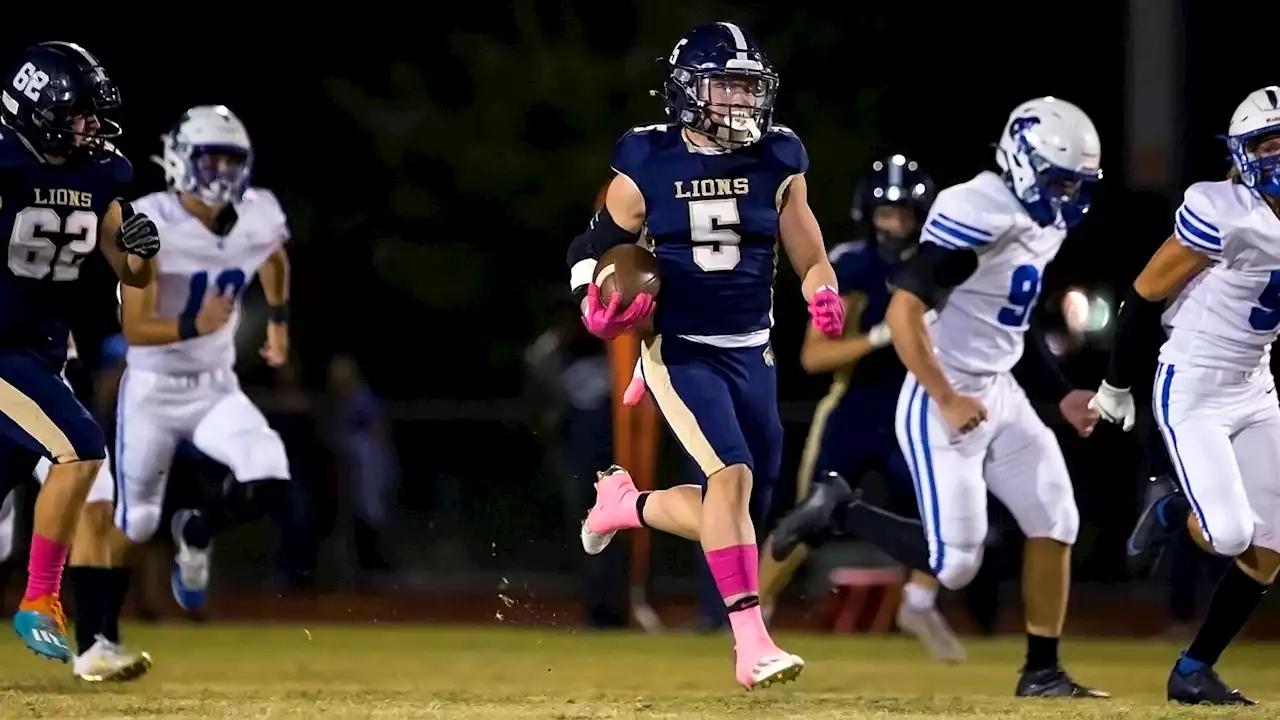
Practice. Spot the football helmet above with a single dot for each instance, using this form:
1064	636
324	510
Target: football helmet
721	85
895	180
56	97
1257	118
1051	158
208	154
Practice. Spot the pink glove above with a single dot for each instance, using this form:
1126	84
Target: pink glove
635	391
608	323
827	310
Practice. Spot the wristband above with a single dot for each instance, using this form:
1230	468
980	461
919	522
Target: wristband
280	313
187	328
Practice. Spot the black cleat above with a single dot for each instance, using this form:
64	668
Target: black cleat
1203	687
811	522
1054	682
1151	534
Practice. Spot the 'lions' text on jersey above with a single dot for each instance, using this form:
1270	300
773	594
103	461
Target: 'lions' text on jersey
712	215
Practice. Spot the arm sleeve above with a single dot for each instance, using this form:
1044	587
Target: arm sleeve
934	270
1139	335
1038	371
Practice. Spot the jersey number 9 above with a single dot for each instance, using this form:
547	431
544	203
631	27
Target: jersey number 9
43	243
1024	288
716	246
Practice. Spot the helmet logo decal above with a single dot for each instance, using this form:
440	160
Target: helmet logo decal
30	80
1021	125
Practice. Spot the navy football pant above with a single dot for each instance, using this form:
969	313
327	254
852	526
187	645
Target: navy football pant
722	406
39	412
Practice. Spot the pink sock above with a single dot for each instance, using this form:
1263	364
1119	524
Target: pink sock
44	568
736	570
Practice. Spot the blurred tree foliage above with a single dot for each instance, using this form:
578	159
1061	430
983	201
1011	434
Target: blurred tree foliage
525	134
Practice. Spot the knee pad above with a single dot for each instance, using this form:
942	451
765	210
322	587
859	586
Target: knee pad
959	565
262	457
138	523
1229	540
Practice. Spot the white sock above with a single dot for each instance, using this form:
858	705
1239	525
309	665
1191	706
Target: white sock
920	598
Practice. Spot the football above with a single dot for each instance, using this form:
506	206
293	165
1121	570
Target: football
627	270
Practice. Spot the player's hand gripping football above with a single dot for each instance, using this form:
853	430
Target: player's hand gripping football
276	349
964	413
215	312
609	321
1076	408
1115	405
827	310
138	234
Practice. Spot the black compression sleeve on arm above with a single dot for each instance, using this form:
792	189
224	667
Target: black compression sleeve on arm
1138	338
933	270
600	236
1038	372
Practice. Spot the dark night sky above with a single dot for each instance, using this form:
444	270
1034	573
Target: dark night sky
937	85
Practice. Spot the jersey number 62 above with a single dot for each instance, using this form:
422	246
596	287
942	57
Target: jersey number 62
43	243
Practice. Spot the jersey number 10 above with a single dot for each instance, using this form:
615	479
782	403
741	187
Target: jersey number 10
230	281
716	246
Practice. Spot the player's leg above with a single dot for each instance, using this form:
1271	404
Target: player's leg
234	433
1256	448
918	613
99	574
42	414
1028	475
776	573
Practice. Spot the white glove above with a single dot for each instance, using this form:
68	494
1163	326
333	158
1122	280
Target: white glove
1115	405
879	336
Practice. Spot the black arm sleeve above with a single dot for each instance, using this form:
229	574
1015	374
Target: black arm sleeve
600	236
933	270
1038	372
1139	335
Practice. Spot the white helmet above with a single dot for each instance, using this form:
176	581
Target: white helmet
1051	156
208	154
1254	119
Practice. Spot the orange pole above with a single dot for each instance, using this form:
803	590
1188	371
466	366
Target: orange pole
635	444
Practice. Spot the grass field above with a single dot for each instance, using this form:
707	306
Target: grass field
394	671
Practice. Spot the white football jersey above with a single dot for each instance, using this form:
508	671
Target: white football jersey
1230	315
980	328
194	261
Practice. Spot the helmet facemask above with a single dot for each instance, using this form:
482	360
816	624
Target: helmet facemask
732	107
1256	157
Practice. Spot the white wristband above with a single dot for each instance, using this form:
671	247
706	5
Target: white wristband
879	336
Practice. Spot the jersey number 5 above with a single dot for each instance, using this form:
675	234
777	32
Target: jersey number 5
33	252
716	246
228	281
1266	316
1024	288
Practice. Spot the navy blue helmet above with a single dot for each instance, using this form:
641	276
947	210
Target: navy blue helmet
56	96
720	84
895	180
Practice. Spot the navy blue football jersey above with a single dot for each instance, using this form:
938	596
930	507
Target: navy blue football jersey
50	215
713	218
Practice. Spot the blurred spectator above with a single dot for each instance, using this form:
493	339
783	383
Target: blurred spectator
362	439
567	390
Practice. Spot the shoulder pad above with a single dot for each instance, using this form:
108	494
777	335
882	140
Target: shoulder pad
13	152
1197	222
964	218
266	209
634	146
119	167
784	146
152	205
850	260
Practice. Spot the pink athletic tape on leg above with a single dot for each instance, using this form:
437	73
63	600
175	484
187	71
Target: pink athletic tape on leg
736	570
44	567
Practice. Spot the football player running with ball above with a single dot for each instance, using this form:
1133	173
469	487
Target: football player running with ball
714	189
